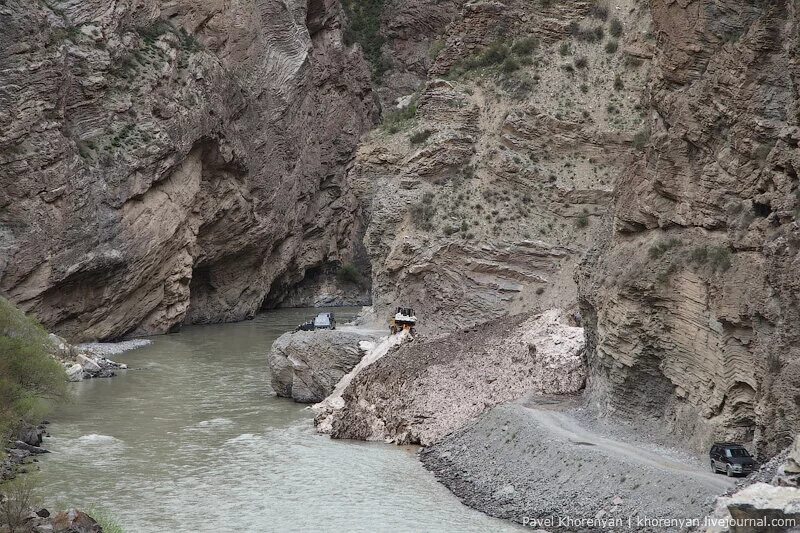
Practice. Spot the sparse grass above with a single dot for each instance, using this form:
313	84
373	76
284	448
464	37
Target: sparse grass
105	519
615	28
189	42
564	49
718	257
618	83
155	29
612	46
589	35
582	221
510	65
398	119
421	136
661	247
599	11
525	45
581	62
494	54
423	212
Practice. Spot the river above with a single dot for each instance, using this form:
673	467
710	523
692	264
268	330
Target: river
192	439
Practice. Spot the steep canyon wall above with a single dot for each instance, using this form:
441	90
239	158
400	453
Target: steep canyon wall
171	162
691	296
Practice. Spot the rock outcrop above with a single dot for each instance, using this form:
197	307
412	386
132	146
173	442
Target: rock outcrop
163	163
307	365
758	508
481	191
423	390
690	298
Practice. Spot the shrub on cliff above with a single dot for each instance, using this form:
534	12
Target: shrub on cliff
525	45
396	120
420	136
349	273
615	28
364	25
19	496
29	376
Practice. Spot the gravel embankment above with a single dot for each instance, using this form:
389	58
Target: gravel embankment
525	464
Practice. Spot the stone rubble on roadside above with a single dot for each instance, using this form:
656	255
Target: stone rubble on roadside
788	474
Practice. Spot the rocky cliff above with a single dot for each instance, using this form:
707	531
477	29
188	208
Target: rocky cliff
485	185
172	162
659	137
691	296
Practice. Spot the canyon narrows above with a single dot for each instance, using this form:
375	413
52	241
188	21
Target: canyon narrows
592	206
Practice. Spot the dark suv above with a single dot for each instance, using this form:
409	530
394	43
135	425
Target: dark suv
731	458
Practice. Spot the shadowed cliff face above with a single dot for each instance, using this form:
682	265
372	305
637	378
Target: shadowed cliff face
692	296
164	163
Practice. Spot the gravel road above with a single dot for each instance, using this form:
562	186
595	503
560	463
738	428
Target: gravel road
541	467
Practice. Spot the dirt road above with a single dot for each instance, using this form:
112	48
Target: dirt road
561	424
530	463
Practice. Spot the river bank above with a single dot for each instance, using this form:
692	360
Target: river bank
195	440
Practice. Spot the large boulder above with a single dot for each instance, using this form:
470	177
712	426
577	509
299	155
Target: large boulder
758	508
788	474
30	434
74	521
307	365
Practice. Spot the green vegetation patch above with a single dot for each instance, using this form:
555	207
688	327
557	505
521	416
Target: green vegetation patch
364	28
423	212
421	136
29	377
348	273
661	247
399	119
718	257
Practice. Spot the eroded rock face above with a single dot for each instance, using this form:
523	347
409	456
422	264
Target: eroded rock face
691	296
424	390
481	205
170	163
307	365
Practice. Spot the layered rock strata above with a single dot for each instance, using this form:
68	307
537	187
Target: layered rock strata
163	163
690	299
486	184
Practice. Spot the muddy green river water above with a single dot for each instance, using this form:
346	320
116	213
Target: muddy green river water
192	439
